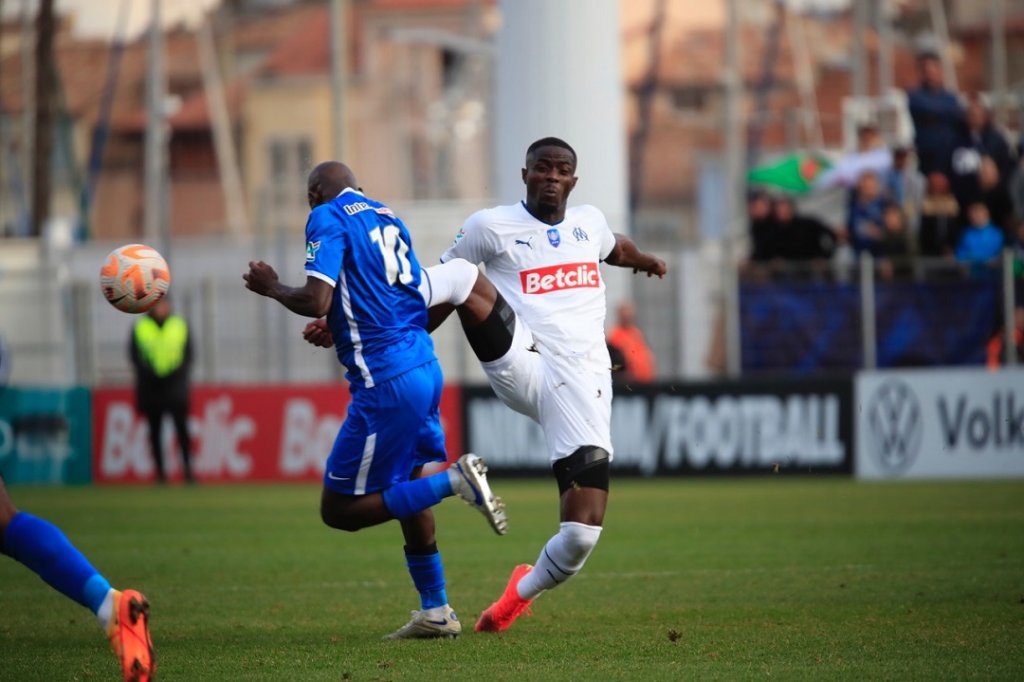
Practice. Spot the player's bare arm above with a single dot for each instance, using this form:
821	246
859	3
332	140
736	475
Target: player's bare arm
627	254
310	300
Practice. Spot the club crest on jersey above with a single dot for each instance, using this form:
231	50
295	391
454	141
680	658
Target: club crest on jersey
580	234
311	249
553	237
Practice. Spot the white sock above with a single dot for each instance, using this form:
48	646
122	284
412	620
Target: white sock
561	558
450	282
106	611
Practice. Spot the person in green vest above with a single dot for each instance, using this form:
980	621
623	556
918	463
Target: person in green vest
161	353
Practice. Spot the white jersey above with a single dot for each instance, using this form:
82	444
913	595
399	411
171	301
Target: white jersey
549	274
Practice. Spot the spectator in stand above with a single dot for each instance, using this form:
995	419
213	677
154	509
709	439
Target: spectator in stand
801	237
896	249
764	245
940	217
865	220
977	139
637	360
905	186
981	241
936	113
872	156
996	196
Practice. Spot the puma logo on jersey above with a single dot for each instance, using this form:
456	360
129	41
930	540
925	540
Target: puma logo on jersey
525	242
559	277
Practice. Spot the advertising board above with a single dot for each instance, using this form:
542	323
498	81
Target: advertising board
951	423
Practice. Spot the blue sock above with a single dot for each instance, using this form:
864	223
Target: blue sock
410	497
428	577
42	547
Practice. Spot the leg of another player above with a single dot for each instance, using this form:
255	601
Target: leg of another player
154	417
466	479
45	550
435	617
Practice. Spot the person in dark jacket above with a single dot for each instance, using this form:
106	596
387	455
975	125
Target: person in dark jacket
977	139
936	114
161	353
802	237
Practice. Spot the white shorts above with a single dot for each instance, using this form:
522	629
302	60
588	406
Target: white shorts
571	398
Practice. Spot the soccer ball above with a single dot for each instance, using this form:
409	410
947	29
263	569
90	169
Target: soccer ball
134	277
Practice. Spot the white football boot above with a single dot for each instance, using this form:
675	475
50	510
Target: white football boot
436	623
469	481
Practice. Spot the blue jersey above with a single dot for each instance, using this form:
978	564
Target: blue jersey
378	318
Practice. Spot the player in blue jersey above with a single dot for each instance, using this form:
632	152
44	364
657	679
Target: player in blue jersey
45	550
362	274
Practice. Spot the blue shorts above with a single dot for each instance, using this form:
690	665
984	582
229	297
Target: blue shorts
390	430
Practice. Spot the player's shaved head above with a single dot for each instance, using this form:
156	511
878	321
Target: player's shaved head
327	180
549	142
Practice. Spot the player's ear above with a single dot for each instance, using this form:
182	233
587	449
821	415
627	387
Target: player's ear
523	172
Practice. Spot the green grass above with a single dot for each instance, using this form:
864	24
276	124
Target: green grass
780	578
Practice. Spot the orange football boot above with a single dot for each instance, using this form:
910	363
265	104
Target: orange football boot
500	615
129	636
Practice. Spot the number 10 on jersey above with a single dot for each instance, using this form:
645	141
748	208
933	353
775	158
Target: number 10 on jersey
393	249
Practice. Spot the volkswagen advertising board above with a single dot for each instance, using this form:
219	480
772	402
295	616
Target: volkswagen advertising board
954	423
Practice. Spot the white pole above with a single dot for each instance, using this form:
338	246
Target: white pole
339	75
884	29
155	227
860	71
938	12
28	119
867	309
1009	343
735	138
998	23
223	137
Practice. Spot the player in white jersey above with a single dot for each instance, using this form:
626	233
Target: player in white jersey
549	361
538	332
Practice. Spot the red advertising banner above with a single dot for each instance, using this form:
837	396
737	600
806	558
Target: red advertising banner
239	433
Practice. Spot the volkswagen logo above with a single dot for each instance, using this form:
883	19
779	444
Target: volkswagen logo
894	426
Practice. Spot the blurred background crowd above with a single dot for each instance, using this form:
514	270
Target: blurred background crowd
836	185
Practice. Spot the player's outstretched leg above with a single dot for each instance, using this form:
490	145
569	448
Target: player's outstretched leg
45	550
470	483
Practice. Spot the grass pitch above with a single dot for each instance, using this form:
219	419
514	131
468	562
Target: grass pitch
697	579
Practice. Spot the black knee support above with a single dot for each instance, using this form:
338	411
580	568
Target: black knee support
585	468
492	338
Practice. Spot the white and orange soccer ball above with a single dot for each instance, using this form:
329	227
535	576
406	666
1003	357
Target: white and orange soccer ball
134	277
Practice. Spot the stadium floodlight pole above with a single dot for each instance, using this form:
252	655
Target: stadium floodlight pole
156	189
339	74
734	155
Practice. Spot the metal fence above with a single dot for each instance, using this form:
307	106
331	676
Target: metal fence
60	331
